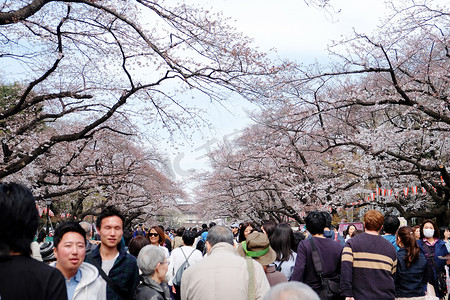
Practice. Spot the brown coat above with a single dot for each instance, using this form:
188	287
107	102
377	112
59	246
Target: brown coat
274	277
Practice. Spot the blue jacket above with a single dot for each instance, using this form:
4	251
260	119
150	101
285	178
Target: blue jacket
330	234
439	250
392	239
124	273
410	282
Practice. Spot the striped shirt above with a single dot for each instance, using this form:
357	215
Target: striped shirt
367	268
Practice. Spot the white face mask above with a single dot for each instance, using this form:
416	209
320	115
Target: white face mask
428	232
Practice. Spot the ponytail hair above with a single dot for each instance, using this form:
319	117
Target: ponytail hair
408	239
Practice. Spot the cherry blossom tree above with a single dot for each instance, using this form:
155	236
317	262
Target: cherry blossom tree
89	60
371	129
269	172
81	177
388	101
111	170
91	71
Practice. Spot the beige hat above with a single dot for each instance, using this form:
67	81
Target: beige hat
257	247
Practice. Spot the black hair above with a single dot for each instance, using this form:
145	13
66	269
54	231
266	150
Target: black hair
136	244
180	231
19	219
269	227
40	237
282	241
442	231
189	237
391	224
204	226
212	224
242	227
346	231
69	226
127	236
298	237
436	230
162	227
315	222
327	219
109	211
356	232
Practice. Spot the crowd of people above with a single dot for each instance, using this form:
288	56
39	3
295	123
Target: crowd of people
241	261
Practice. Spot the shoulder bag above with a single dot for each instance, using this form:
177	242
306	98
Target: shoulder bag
330	286
441	280
111	283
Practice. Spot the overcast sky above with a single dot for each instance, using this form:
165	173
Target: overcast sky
297	31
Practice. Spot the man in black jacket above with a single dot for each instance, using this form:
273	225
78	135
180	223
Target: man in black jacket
119	268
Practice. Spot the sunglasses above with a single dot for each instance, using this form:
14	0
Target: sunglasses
153	234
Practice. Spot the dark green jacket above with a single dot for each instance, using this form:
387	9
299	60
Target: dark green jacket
125	272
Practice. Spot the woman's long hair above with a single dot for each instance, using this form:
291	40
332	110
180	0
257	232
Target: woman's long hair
442	231
242	227
408	239
348	229
160	232
281	241
254	227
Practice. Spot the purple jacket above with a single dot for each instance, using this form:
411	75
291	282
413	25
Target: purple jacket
330	255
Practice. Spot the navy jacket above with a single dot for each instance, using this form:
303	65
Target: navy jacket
124	273
409	282
439	250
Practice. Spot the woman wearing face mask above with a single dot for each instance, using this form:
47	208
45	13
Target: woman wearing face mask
432	247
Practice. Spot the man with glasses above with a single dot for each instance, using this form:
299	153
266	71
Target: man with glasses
153	264
117	267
